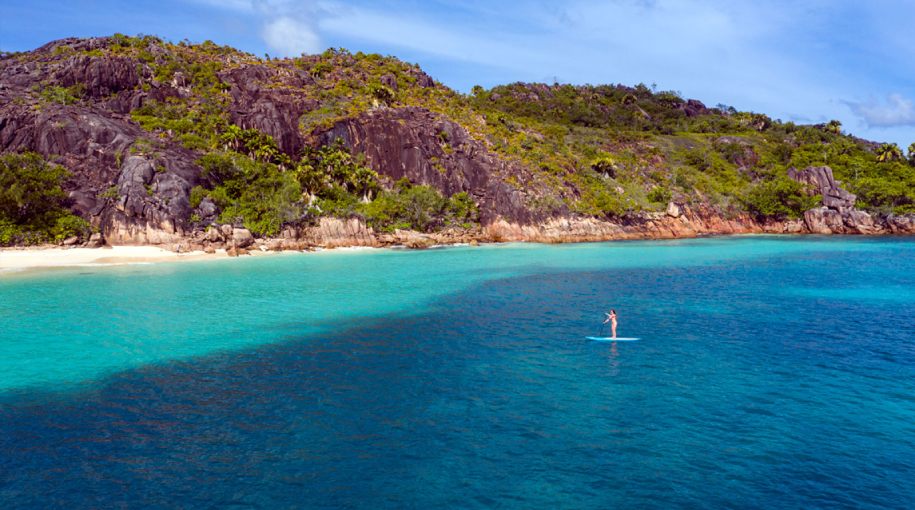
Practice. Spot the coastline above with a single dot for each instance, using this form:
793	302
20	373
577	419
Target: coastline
20	259
17	259
334	234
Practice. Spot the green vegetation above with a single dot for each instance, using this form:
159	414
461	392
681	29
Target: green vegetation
604	151
417	207
780	198
263	196
253	193
32	204
62	95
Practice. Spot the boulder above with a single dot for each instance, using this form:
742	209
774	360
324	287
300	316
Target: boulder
96	240
207	208
901	224
860	222
820	181
673	210
823	220
389	81
214	235
428	148
70	241
242	238
693	108
226	231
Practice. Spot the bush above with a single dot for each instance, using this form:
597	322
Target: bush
418	207
659	195
63	95
332	165
32	202
70	225
198	193
256	194
780	198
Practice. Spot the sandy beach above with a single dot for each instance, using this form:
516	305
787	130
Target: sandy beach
32	258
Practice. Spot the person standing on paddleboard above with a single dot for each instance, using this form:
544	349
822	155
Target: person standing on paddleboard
611	318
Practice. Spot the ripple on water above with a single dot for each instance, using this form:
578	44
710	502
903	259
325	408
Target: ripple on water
462	378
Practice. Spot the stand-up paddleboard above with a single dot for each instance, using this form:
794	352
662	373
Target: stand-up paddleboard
609	339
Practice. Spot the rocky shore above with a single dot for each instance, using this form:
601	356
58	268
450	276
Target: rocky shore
837	215
679	221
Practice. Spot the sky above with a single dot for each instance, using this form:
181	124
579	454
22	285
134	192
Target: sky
808	62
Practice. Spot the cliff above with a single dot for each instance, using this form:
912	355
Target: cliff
133	120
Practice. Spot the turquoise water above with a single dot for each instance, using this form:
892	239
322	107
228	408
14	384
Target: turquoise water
772	371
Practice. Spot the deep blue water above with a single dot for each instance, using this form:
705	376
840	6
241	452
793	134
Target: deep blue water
773	372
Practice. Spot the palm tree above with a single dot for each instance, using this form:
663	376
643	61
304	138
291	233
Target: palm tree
834	126
889	152
912	154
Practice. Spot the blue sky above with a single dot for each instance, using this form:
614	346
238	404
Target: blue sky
807	61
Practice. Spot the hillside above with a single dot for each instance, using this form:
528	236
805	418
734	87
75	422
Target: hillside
147	141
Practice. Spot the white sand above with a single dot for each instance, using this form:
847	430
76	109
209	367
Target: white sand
28	258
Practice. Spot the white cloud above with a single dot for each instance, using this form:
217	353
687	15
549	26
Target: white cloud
427	36
896	111
291	37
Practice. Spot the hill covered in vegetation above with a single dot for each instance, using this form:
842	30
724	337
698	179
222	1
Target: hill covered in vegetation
153	142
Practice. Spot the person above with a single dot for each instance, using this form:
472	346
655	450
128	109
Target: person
611	318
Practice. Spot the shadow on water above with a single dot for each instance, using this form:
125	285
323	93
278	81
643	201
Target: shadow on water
739	393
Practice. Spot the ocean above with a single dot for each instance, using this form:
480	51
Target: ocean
771	372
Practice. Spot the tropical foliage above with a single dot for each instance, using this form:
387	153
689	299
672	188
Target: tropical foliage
605	151
33	206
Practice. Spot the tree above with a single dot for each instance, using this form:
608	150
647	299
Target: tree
779	198
889	152
834	126
912	154
33	206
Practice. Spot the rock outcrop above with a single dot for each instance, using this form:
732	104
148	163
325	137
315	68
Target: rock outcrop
134	185
820	181
429	149
133	189
838	214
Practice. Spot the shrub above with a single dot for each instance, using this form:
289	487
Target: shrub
779	198
63	95
69	225
32	202
659	195
418	207
198	193
256	194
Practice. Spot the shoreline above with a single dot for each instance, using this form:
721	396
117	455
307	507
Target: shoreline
19	259
48	257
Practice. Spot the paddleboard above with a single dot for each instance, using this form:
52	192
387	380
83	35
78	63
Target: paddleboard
608	339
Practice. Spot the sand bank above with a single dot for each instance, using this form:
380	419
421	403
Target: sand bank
30	258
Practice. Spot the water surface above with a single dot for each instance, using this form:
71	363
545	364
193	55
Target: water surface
773	372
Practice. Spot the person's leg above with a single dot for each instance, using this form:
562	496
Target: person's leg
613	329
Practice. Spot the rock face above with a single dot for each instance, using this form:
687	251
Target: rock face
428	149
270	109
134	186
134	193
693	108
837	215
820	180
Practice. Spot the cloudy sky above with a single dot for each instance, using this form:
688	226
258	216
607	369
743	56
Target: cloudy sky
807	61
